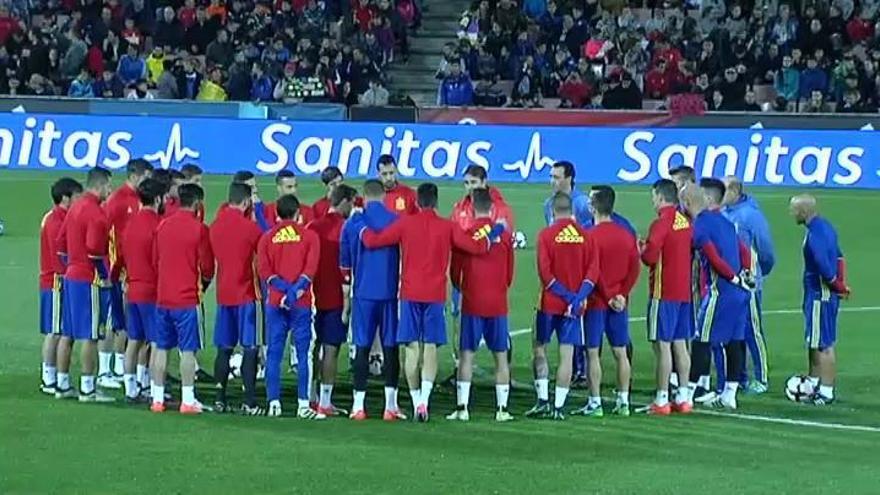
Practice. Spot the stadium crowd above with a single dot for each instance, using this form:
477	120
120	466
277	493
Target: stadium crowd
241	50
714	55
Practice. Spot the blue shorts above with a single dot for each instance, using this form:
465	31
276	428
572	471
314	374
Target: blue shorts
329	329
181	328
721	318
670	320
820	319
50	310
611	323
85	310
116	321
421	322
569	331
141	322
494	330
239	325
369	316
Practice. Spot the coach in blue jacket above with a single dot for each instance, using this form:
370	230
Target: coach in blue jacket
754	231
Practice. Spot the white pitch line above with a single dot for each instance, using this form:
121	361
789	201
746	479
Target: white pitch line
855	309
787	421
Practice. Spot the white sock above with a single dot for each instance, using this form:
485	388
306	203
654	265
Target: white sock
662	398
623	397
131	385
87	384
104	359
391	399
814	381
326	394
673	379
302	403
542	388
704	381
595	400
188	394
63	381
158	393
416	395
730	389
358	404
502	392
683	394
464	393
826	391
143	375
119	363
50	374
559	397
427	387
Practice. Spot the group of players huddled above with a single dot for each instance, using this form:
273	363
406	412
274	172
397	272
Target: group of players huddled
135	264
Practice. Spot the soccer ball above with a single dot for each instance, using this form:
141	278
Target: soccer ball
798	388
2	227
235	361
376	364
519	240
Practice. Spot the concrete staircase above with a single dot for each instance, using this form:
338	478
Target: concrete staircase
439	26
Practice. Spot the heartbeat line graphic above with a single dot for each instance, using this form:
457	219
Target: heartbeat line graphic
174	152
533	160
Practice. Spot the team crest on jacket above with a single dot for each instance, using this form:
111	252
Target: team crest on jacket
569	235
286	235
400	204
681	222
482	233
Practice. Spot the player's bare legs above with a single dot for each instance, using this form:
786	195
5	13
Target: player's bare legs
105	348
429	374
49	377
188	378
143	367
502	386
624	378
411	370
130	377
682	361
663	354
563	379
158	367
329	365
87	360
120	347
541	370
463	377
824	364
63	390
594	372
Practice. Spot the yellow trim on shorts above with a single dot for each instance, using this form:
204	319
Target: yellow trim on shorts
653	318
758	332
96	312
260	323
706	331
816	325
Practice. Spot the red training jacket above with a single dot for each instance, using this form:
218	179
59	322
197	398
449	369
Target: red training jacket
50	264
120	206
303	216
288	251
234	238
667	253
182	257
140	273
85	237
401	199
328	280
484	279
322	206
567	254
619	259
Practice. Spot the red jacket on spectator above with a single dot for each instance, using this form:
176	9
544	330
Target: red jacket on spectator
592	48
671	54
678	78
363	15
95	61
8	25
657	83
577	92
187	17
859	29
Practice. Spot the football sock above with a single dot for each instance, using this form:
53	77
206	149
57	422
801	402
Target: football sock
425	394
358	404
701	359
826	391
63	381
50	374
221	371
104	359
502	392
391	399
623	397
595	401
392	366
415	395
542	388
188	394
302	403
673	380
326	394
662	398
814	381
559	397
87	384
143	376
361	368
464	393
131	386
119	364
704	381
158	393
730	389
683	394
249	376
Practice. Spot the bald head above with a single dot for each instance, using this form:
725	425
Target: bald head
734	190
693	200
803	208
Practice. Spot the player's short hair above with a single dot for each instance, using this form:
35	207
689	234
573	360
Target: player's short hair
287	207
666	189
342	193
567	169
330	174
373	189
713	188
562	203
602	199
688	173
176	175
65	187
385	160
190	194
137	167
239	192
476	171
149	190
426	195
284	174
97	177
163	176
482	200
242	176
191	170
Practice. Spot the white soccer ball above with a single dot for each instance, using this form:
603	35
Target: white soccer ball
798	388
2	227
520	241
235	362
376	362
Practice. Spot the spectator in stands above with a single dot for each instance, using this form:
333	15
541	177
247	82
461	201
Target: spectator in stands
81	87
526	90
169	31
574	92
240	81
111	51
166	86
375	96
456	88
815	38
787	80
132	66
852	103
219	51
202	32
188	81
211	88
657	82
109	86
75	55
751	102
8	24
783	30
733	88
622	94
816	103
812	79
262	86
860	28
155	64
139	91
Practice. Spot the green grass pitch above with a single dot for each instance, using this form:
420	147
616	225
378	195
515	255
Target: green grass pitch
67	447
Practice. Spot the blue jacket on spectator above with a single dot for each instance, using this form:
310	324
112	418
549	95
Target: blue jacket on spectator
457	91
131	69
786	84
534	8
80	89
813	80
752	228
262	88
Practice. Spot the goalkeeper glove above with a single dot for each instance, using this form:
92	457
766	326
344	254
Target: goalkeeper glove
561	291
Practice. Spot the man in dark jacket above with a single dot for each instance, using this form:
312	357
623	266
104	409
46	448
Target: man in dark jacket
457	89
169	32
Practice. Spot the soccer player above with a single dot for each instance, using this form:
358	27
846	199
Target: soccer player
724	276
286	183
824	286
426	241
568	266
288	257
399	198
331	177
172	198
234	238
192	174
185	266
64	192
120	207
140	276
484	281
372	277
668	254
754	232
85	239
607	305
332	304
